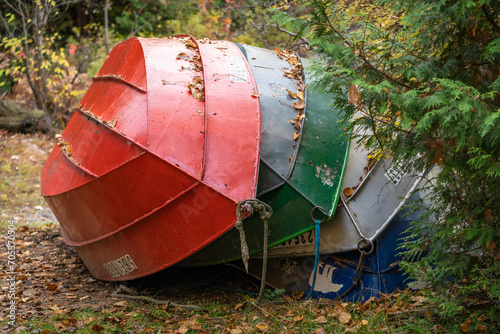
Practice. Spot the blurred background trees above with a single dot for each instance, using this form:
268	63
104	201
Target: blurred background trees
49	50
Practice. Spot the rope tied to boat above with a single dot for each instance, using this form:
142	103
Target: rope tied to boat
317	236
249	206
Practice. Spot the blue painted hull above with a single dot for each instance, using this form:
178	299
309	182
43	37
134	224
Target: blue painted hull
380	273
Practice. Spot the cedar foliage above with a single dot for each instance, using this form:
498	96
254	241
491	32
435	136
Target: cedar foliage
424	76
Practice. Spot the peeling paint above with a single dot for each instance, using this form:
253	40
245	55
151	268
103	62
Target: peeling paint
326	174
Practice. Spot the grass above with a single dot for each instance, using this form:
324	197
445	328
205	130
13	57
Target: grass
21	160
214	317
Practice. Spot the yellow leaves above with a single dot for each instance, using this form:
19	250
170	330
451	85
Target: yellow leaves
262	326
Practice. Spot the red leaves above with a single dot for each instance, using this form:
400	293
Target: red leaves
72	49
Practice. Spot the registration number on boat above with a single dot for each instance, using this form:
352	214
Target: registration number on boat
303	239
121	266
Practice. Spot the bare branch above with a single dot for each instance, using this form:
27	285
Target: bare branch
303	40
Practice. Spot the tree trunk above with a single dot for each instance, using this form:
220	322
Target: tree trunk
106	40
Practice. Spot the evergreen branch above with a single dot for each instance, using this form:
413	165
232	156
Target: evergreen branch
363	56
382	121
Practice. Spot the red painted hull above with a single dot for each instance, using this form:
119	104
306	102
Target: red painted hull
145	173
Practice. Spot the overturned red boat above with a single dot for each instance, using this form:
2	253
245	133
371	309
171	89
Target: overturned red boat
156	141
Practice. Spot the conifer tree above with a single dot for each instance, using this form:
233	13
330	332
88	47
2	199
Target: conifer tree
424	76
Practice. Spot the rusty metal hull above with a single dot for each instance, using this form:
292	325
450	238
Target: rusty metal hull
144	173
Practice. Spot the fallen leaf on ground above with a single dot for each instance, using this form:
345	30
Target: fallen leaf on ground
262	326
345	317
321	320
236	331
300	317
97	328
465	326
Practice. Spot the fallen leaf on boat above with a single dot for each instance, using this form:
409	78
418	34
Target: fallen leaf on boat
183	56
197	88
296	136
293	95
256	94
299	105
111	123
348	191
191	45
